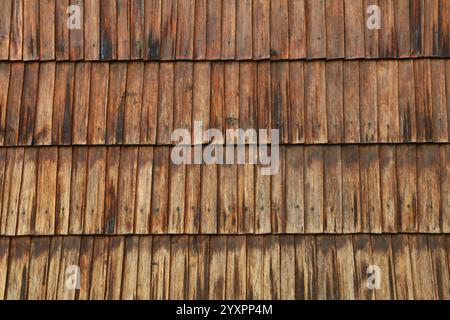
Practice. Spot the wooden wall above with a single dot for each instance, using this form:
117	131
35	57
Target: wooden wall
86	176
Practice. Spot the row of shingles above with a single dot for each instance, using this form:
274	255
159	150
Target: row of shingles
68	103
142	103
69	190
223	29
226	267
318	189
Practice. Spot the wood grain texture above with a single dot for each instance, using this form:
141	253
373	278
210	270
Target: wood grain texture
388	185
179	265
95	191
223	30
438	248
424	104
217	267
81	103
244	30
136	17
149	103
62	35
282	267
63	104
4	255
133	103
152	29
428	173
168	29
388	110
422	268
115	268
368	101
70	251
63	191
370	189
108	30
200	29
402	27
445	178
98	103
279	41
130	268
294	186
86	176
315	101
309	102
407	188
363	257
92	30
76	51
335	28
351	102
126	192
13	104
296	103
185	30
17	283
28	104
351	193
5	29
314	189
354	28
16	31
261	29
31	41
117	96
160	195
137	190
78	194
5	70
11	189
123	29
332	162
406	101
386	35
45	190
27	201
38	268
383	258
213	29
402	266
44	104
316	29
236	279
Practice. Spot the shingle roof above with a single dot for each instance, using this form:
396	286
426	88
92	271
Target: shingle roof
225	267
86	176
222	30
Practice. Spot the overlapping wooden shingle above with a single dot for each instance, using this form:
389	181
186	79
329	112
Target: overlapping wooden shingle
309	102
91	92
138	190
222	29
225	267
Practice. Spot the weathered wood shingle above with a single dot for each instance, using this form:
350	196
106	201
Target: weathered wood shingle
226	267
222	30
318	189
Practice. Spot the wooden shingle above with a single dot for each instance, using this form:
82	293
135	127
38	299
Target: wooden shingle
222	30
